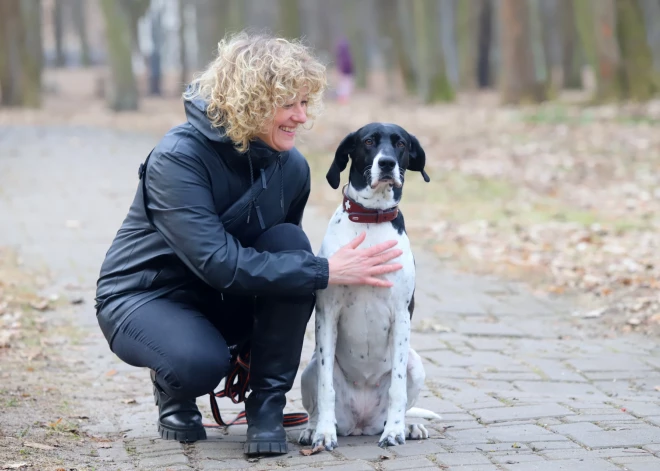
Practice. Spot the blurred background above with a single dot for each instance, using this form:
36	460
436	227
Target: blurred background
539	117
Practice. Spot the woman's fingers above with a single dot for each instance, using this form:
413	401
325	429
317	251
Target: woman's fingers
379	283
357	241
382	269
385	256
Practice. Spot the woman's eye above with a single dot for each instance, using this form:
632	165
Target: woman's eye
369	142
304	103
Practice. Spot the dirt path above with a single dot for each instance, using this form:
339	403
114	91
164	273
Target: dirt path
517	380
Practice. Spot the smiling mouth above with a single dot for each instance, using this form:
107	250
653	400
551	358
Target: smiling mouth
288	130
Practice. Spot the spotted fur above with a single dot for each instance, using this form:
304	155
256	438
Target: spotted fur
364	375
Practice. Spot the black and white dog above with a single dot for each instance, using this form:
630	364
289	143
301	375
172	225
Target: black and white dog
364	378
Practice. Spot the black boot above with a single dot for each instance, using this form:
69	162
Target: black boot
177	419
276	346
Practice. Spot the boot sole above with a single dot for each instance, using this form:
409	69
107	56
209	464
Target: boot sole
266	448
187	436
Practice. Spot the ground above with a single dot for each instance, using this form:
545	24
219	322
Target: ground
521	382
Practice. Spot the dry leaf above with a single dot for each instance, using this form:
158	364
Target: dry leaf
111	372
657	388
129	401
40	305
39	446
308	451
105	445
15	465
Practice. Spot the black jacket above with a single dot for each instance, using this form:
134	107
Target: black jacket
193	176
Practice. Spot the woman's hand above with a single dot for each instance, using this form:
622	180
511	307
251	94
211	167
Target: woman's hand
353	266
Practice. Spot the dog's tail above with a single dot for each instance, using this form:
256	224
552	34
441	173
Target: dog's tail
421	413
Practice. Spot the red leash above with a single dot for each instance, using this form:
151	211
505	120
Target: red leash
236	389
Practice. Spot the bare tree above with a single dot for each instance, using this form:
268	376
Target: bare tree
20	53
122	93
80	24
432	82
637	64
467	35
596	23
518	82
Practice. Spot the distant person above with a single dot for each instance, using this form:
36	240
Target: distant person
212	254
345	71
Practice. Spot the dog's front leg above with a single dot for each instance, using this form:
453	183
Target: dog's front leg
326	340
395	427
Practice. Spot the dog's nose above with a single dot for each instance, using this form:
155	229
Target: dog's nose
386	164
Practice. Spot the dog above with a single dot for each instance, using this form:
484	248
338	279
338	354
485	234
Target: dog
364	378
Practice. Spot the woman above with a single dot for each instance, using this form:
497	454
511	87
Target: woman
212	253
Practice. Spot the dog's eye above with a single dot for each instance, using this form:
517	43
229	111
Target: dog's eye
401	144
369	142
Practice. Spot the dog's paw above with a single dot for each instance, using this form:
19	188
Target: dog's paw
306	436
326	436
417	432
392	436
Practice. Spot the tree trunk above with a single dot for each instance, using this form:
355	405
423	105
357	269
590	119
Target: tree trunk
183	45
155	65
447	21
596	24
211	22
80	23
121	93
32	54
518	83
651	13
406	46
432	82
571	51
289	16
549	16
637	64
357	40
58	31
20	53
485	37
467	34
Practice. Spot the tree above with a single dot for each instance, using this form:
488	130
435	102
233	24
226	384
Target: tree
432	82
518	81
122	93
637	65
80	23
289	18
20	53
467	35
596	24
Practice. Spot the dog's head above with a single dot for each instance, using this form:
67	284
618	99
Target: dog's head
380	155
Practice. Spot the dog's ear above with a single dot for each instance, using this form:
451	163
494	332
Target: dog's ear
417	159
346	146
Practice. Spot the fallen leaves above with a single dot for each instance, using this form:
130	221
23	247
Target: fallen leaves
312	451
38	446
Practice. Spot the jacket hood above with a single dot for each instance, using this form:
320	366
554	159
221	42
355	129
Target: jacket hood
259	151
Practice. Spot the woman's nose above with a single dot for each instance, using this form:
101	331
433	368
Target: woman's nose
300	114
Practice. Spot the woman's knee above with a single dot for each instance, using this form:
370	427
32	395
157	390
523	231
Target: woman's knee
197	375
283	237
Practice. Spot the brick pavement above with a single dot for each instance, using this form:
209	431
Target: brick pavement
520	384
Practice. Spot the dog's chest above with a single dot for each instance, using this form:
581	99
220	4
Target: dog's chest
366	314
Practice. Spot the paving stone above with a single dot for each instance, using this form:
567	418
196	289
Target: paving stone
493	344
559	390
418	447
558	445
504	414
554	370
568	465
610	363
364	452
474	467
514	433
406	463
583	453
601	418
640	409
161	462
515	458
509	376
595	437
638	463
458	459
482	329
353	465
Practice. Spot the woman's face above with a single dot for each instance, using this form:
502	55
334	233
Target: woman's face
281	135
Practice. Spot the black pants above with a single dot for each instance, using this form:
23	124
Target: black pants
186	340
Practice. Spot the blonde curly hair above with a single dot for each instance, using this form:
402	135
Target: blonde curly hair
252	75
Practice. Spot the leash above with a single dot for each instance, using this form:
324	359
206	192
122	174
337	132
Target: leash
236	388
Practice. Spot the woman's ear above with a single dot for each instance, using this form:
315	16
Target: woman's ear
346	146
417	159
